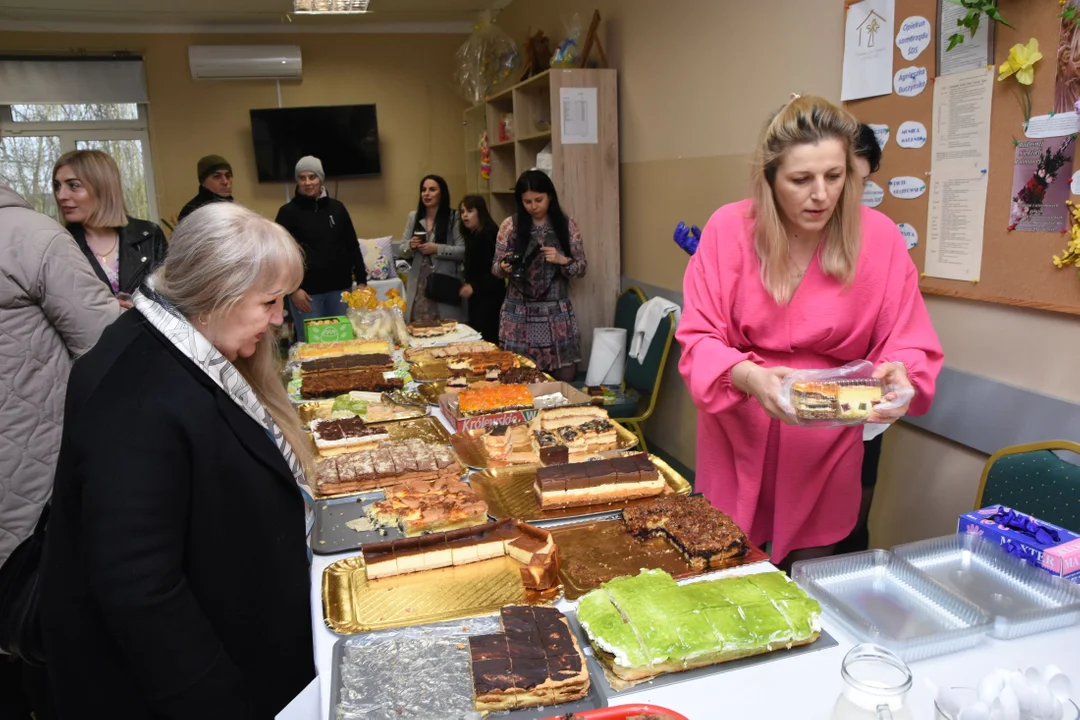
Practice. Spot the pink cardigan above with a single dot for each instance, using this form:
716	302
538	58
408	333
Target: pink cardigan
798	487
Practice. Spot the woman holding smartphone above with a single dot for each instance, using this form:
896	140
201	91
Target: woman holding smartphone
432	242
539	248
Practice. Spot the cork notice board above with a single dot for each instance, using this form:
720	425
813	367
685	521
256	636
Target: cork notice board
1016	266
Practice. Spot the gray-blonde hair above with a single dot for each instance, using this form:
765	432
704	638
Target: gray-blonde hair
219	254
806	119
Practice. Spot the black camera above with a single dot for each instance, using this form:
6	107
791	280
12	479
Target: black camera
517	266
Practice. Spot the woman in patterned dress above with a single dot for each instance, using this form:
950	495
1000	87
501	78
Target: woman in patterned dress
539	248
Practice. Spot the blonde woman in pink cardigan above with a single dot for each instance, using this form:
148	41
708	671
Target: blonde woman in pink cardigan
799	276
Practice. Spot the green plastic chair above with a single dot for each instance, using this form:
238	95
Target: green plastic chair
642	379
1033	480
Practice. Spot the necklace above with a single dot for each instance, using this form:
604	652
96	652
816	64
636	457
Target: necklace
104	258
799	271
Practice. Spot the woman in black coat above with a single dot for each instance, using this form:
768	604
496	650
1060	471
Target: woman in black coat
122	250
174	581
484	291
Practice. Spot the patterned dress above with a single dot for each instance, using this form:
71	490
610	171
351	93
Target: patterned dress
537	318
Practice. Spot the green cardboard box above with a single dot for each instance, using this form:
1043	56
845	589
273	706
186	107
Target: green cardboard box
328	329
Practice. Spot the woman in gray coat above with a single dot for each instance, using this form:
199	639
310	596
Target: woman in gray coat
433	244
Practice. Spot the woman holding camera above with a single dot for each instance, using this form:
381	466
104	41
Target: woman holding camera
539	248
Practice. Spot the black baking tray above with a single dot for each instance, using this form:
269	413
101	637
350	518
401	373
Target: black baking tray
331	535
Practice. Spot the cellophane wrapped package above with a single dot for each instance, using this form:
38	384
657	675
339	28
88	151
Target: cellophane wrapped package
835	397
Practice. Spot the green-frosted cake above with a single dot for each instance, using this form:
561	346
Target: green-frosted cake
646	625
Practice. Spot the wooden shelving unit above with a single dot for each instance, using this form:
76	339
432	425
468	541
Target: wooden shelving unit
586	176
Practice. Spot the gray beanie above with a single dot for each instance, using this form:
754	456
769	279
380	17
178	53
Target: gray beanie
311	164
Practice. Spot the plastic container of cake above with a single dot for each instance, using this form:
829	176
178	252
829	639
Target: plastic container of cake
1021	599
836	397
881	598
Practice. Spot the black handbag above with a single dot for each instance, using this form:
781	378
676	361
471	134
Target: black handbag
445	289
20	619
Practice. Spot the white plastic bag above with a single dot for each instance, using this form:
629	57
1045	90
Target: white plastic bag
836	397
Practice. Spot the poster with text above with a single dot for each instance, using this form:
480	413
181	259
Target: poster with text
1067	87
1041	185
868	50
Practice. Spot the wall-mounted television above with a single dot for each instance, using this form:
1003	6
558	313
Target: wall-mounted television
344	137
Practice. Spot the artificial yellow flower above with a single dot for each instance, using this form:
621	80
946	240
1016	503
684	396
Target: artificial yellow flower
1021	62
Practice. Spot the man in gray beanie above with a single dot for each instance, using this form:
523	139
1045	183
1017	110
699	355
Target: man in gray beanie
332	256
215	184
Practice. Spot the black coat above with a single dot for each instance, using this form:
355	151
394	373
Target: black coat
175	577
142	247
488	291
205	196
324	230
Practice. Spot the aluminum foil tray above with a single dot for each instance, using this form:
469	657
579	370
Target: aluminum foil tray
881	598
1021	599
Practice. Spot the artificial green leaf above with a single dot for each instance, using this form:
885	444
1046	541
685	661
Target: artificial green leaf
954	40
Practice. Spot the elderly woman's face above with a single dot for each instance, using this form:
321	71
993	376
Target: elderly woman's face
237	334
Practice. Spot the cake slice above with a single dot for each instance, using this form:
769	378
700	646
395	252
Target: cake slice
597	482
346	435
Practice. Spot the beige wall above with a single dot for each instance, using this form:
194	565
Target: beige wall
404	75
697	78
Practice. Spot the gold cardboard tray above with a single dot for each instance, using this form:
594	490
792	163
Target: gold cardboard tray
508	492
470	449
320	410
597	551
353	604
438	370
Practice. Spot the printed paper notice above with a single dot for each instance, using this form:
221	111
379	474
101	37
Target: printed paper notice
868	50
960	141
974	52
1048	126
578	111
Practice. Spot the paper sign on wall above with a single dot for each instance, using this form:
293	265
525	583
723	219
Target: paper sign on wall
868	55
911	134
881	134
1047	126
913	36
1075	186
578	114
910	81
873	194
911	235
906	187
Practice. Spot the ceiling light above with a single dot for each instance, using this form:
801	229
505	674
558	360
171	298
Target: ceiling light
330	7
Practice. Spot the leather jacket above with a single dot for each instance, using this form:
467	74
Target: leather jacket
142	247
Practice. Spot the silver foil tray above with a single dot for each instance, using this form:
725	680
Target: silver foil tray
881	598
1021	599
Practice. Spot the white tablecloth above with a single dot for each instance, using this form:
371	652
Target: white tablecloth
803	687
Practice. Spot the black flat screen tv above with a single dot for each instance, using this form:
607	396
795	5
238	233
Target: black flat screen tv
344	137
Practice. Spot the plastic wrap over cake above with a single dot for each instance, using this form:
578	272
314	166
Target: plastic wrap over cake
834	397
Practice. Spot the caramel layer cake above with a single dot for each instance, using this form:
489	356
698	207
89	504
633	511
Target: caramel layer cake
706	536
509	443
597	482
390	463
841	399
450	350
374	361
431	328
338	382
480	363
556	418
333	437
421	507
310	351
532	547
534	661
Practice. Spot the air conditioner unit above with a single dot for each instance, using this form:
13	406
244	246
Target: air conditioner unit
245	62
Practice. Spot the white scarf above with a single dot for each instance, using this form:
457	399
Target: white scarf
188	340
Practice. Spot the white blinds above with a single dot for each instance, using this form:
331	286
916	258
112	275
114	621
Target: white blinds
71	81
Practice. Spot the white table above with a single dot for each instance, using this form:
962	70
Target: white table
803	687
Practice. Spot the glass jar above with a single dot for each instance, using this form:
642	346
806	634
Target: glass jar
876	682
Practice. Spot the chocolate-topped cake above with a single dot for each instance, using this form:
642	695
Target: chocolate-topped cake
331	383
346	435
534	661
706	536
375	361
598	482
